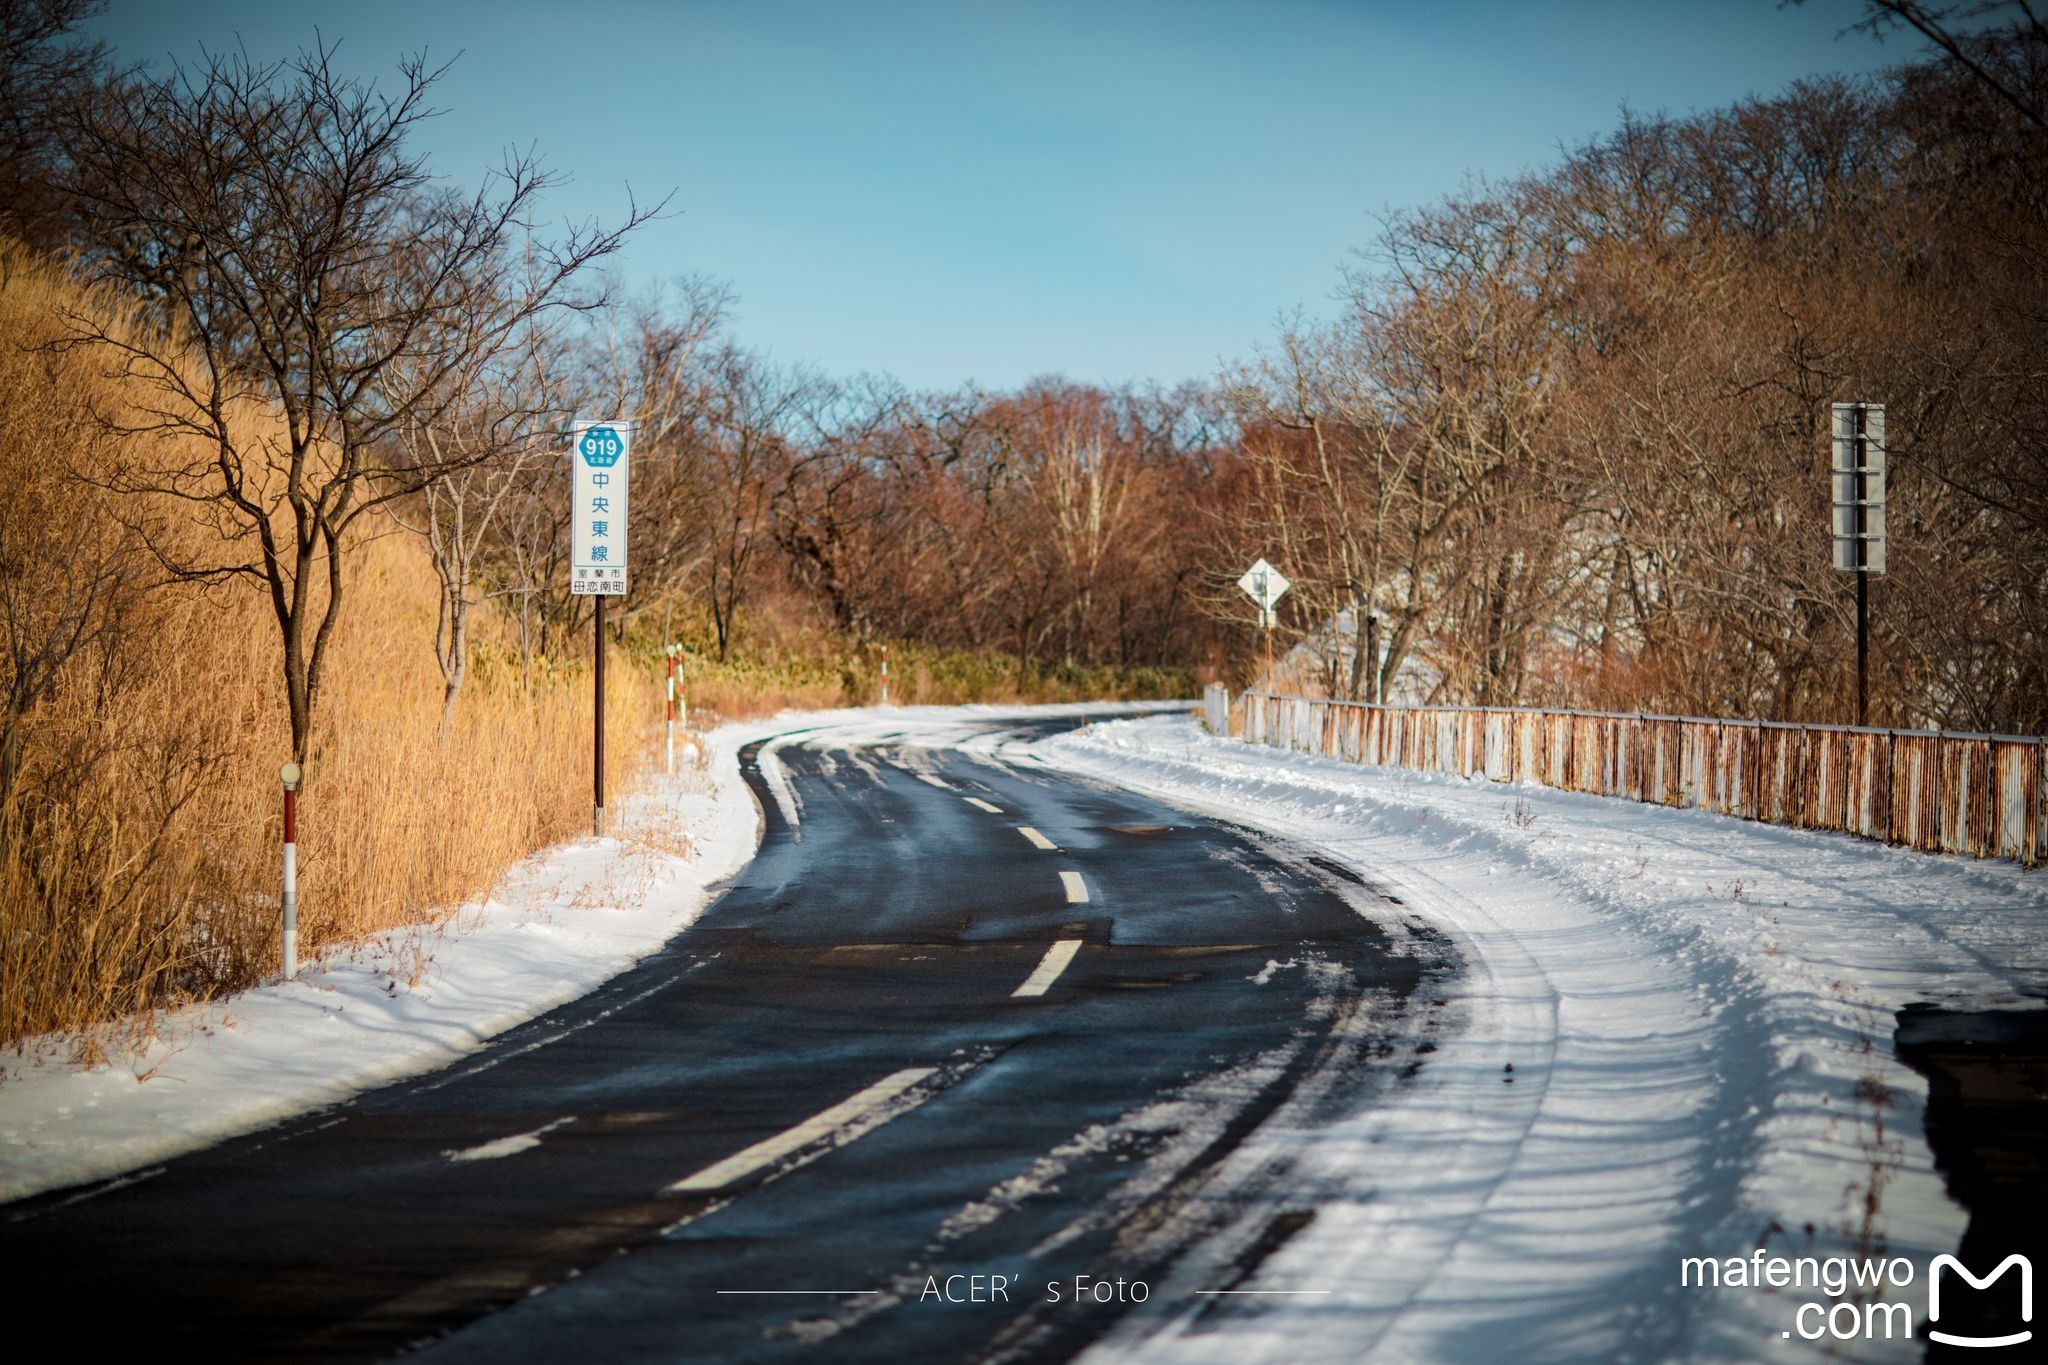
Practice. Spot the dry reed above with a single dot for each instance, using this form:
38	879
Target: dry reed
139	804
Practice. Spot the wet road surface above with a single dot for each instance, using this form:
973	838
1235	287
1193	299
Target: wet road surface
968	1059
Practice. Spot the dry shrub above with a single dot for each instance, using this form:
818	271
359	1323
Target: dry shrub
837	671
144	724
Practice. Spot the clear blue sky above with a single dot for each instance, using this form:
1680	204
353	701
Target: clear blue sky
1113	191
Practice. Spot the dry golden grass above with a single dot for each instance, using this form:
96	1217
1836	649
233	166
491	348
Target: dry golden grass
139	831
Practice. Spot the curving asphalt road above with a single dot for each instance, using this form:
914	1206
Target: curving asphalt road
970	1058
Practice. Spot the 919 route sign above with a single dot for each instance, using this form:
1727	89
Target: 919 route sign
600	458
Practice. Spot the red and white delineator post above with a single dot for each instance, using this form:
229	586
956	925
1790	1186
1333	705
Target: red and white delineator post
670	650
289	775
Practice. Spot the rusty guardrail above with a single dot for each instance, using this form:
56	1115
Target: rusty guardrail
1925	789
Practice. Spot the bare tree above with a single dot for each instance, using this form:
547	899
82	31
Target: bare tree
501	422
664	367
842	517
2019	84
45	70
308	275
742	463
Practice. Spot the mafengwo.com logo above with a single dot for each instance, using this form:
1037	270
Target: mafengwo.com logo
1850	1313
2026	1269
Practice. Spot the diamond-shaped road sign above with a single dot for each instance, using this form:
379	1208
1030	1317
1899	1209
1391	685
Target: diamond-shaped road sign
1264	584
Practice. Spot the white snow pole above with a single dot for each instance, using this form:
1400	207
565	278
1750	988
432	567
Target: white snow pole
885	675
289	775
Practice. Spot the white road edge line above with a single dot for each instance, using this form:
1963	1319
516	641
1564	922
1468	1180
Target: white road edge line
506	1146
1077	890
977	801
1049	968
1037	840
848	1119
118	1183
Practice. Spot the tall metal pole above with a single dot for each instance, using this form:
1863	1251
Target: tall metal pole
1863	648
1862	573
597	750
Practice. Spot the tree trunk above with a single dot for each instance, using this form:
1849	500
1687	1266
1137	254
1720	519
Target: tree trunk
455	667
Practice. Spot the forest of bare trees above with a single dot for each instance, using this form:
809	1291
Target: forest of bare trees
1560	442
1566	441
1563	442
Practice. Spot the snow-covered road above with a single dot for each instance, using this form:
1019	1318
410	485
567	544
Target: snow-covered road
1697	1012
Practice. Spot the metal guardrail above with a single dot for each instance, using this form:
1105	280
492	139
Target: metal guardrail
1931	790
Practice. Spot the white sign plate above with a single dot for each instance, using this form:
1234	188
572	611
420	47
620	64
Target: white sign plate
1264	584
1857	465
600	454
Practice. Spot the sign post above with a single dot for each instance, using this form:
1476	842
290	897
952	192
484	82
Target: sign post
600	463
1264	584
1856	479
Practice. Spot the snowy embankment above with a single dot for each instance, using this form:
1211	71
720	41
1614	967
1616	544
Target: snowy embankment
1697	1014
407	1002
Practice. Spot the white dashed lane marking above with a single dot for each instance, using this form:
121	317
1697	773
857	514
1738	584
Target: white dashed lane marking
1049	968
850	1118
942	785
977	801
507	1146
1077	890
1037	840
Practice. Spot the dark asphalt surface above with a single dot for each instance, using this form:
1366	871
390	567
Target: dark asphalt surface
1095	1130
1987	1107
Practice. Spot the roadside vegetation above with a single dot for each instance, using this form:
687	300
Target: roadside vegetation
1565	441
144	727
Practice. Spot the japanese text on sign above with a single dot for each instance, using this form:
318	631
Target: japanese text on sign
600	457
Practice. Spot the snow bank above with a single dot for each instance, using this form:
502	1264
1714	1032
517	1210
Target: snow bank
1697	1012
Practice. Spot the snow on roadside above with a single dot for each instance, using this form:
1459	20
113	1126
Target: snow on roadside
1697	1011
407	1002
